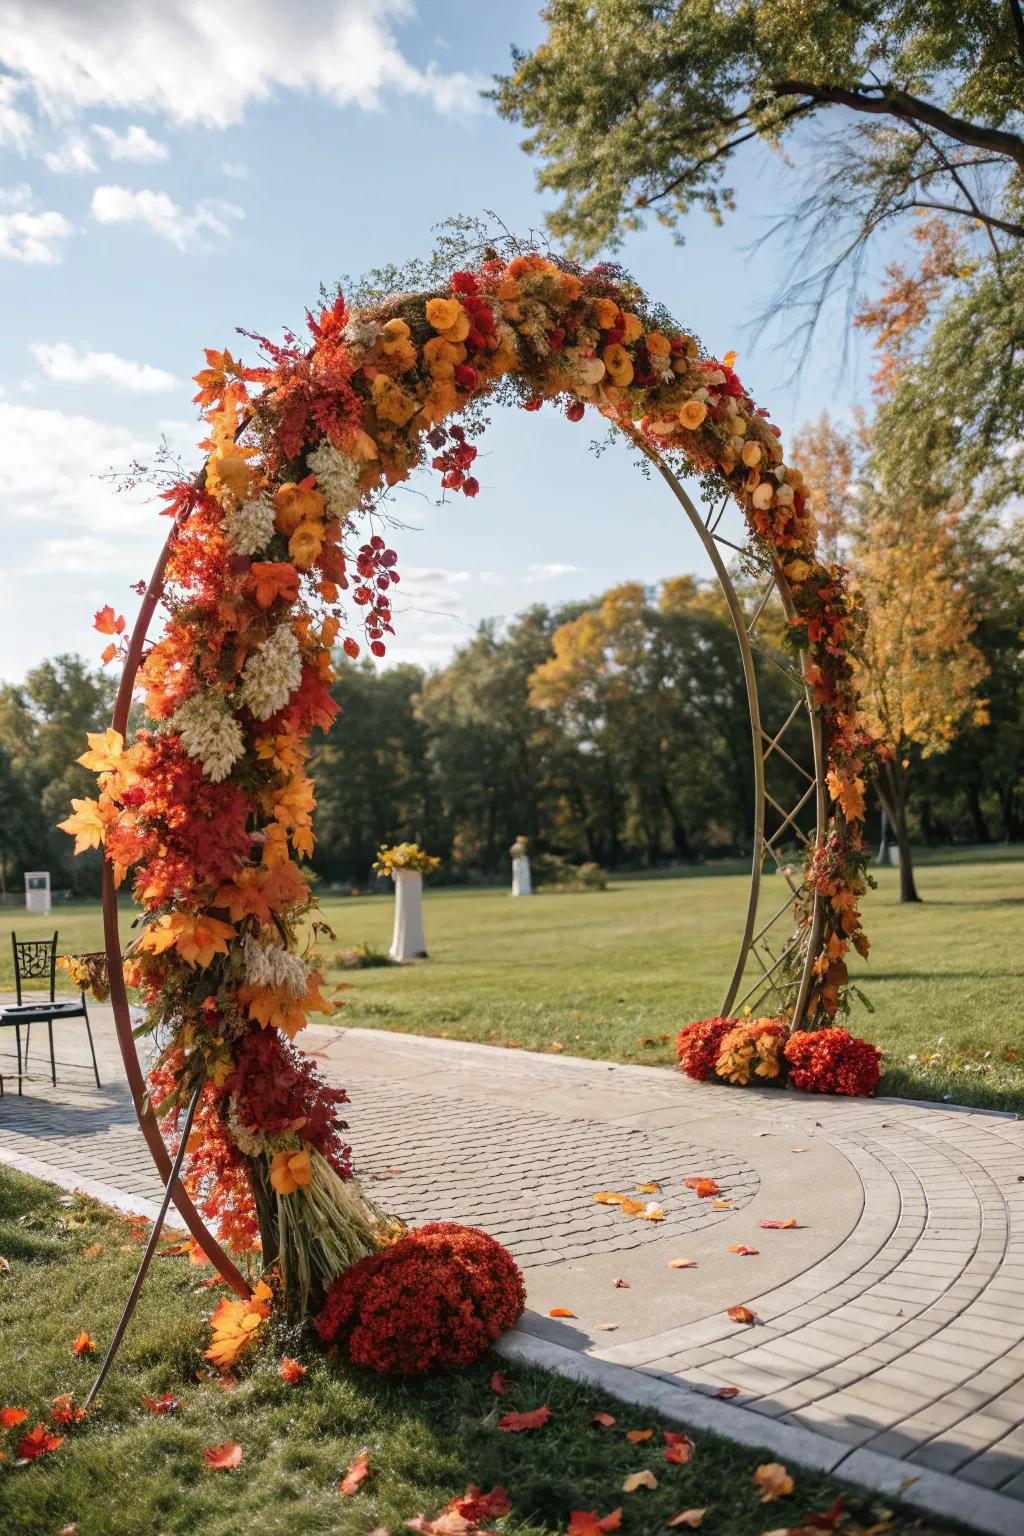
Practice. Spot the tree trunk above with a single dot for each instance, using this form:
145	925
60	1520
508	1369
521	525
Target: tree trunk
981	832
892	791
681	846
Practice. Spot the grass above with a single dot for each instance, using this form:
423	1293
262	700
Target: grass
126	1472
614	974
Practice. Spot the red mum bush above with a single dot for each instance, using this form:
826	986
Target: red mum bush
435	1300
832	1061
697	1046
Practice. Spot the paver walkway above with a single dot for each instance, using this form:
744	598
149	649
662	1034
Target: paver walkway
890	1340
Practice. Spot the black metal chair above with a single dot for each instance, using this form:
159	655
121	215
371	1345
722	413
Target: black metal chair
33	959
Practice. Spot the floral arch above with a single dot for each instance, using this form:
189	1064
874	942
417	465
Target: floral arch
209	808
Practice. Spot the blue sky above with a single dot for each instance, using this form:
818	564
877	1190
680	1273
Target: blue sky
160	186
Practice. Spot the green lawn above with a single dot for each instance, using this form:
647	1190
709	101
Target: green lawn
126	1472
614	974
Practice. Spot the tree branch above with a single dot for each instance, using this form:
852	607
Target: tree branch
721	151
971	213
1017	17
892	102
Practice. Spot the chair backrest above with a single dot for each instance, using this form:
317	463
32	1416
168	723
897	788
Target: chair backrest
34	958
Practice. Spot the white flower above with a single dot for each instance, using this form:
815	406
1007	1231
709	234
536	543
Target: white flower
209	732
337	476
250	527
360	334
271	674
272	966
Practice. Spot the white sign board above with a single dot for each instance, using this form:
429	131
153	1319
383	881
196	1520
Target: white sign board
37	890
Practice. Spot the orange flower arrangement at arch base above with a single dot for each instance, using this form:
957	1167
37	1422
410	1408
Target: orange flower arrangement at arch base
210	808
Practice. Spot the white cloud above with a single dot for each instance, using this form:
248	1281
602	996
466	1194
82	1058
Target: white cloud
18	196
134	144
73	155
15	125
53	463
32	237
202	64
83	555
234	169
64	364
210	216
540	571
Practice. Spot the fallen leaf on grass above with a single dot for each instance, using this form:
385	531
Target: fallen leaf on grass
561	1312
64	1411
635	1436
357	1473
742	1315
224	1458
635	1480
728	1392
829	1521
780	1226
166	1404
93	1251
772	1481
83	1345
38	1442
5	1265
621	1285
678	1447
690	1518
290	1370
68	1530
536	1418
500	1384
602	1420
587	1522
11	1416
743	1249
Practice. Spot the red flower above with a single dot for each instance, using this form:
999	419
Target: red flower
697	1046
832	1061
436	1300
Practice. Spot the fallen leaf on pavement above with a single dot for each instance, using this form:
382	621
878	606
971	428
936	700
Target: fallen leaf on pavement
728	1392
606	1327
635	1480
780	1226
357	1473
650	1188
772	1481
908	1482
603	1420
798	1149
634	1436
500	1384
721	1205
703	1187
742	1315
561	1312
536	1418
743	1249
607	1197
224	1457
651	1212
690	1518
621	1285
682	1263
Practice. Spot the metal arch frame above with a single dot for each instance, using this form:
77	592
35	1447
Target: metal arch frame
805	939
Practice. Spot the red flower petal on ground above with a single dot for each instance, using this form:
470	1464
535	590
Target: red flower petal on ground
223	1458
536	1418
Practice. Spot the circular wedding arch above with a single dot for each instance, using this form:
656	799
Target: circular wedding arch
265	539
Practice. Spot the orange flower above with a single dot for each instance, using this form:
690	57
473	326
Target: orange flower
692	414
606	312
618	363
631	328
443	313
269	580
290	1171
306	543
391	401
295	504
658	345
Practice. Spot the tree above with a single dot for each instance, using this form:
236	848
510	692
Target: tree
638	105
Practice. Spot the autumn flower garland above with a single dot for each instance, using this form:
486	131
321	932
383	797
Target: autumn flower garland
210	807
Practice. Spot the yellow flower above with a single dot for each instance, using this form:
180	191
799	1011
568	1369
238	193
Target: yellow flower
359	445
460	330
658	345
692	414
631	328
618	363
439	401
443	313
233	471
606	313
394	335
751	453
390	400
305	544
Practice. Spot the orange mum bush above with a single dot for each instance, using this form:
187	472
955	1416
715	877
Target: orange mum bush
698	1044
435	1300
753	1050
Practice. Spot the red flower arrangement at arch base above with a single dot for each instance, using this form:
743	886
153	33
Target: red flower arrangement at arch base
764	1051
209	809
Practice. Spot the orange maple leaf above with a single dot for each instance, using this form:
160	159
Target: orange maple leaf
11	1416
86	826
64	1411
602	1420
742	1315
536	1418
772	1481
682	1263
636	1436
780	1226
356	1474
587	1522
107	623
290	1370
235	1324
678	1447
83	1345
38	1442
269	580
223	1458
743	1249
166	1404
561	1312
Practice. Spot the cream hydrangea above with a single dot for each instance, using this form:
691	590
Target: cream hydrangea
271	674
250	526
210	733
337	477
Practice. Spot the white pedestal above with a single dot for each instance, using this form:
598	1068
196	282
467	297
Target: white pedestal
521	883
408	941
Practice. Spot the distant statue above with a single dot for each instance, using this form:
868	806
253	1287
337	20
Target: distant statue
521	885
